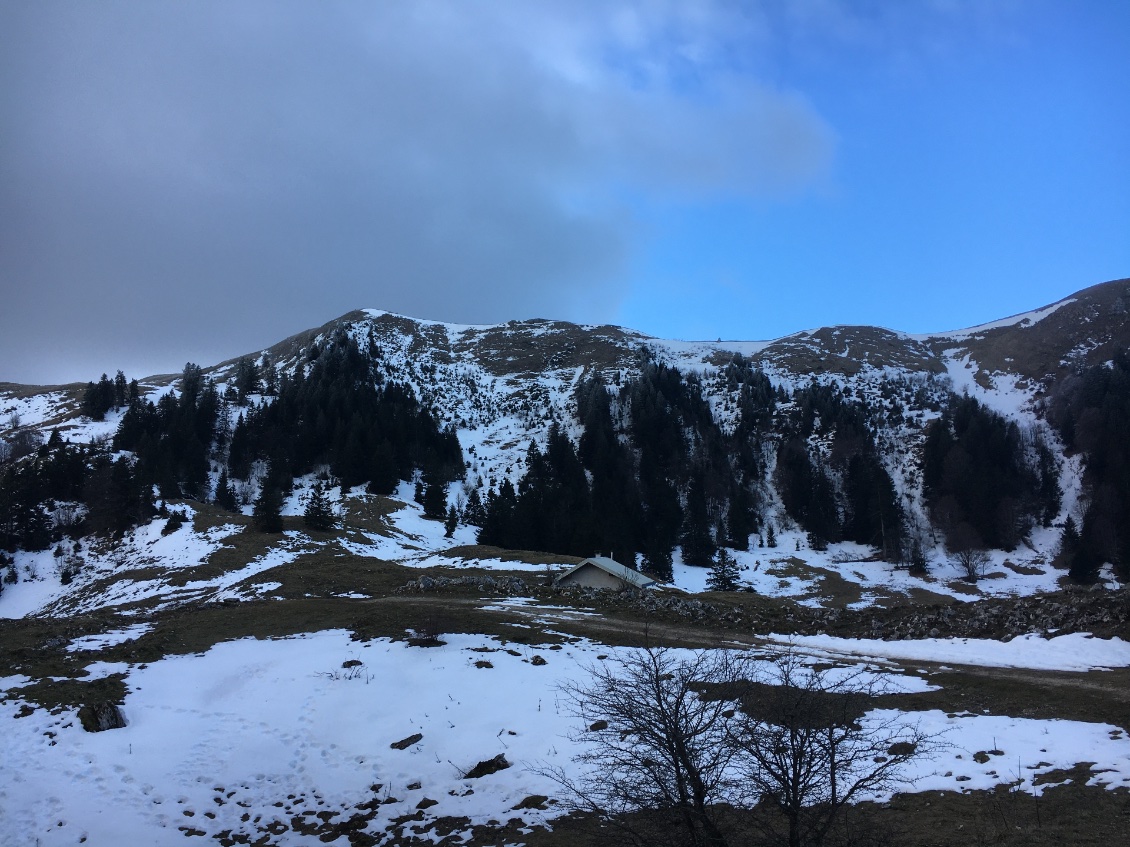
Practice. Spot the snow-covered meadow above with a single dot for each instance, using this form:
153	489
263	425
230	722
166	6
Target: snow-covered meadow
254	734
406	537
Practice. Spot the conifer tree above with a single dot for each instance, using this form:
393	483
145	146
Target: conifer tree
246	379
451	522
121	390
239	455
698	541
474	513
319	513
724	573
225	495
498	524
384	475
434	497
739	522
98	398
191	383
270	376
267	514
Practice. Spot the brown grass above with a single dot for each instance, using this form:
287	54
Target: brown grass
1067	814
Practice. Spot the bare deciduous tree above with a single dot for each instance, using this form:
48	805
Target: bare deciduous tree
652	744
807	745
972	562
662	738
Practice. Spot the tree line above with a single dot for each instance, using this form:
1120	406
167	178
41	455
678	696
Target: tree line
652	470
1091	411
336	411
986	483
848	494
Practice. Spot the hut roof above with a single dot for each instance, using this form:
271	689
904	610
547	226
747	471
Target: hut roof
611	566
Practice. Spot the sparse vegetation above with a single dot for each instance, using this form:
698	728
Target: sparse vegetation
794	750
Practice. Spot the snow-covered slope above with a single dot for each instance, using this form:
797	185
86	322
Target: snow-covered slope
502	386
269	686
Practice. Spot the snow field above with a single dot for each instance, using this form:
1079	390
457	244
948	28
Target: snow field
1074	652
251	724
109	639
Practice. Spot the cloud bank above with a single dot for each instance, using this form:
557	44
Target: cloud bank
193	180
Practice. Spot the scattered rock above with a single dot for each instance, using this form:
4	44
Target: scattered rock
509	585
351	663
487	767
534	801
99	717
1104	613
405	743
483	663
427	803
538	660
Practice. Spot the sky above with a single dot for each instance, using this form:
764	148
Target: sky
191	181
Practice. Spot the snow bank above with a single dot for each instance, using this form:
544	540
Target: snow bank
1074	652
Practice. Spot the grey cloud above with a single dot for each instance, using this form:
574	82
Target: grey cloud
193	180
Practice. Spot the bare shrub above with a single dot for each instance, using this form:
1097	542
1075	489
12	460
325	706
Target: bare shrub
972	563
651	743
808	745
666	752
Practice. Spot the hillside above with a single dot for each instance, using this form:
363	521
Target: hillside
946	510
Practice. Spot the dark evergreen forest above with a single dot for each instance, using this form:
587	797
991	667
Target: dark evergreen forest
985	483
863	507
1092	412
661	473
337	411
652	470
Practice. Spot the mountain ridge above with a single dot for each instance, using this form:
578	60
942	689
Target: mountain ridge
918	348
501	388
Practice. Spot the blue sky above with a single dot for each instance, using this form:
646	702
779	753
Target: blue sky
192	181
981	175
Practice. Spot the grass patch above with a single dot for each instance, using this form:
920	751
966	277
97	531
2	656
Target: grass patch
960	586
56	694
1067	814
1023	570
1097	696
370	513
238	552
